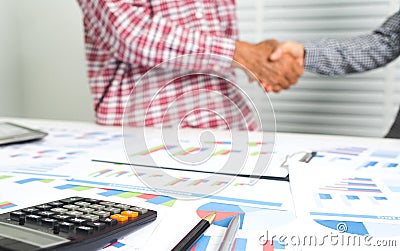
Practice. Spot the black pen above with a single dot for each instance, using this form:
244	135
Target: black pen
195	233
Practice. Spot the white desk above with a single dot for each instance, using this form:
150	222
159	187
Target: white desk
70	147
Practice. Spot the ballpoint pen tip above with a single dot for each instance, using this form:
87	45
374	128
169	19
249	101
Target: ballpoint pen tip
210	218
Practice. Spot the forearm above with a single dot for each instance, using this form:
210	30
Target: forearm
358	54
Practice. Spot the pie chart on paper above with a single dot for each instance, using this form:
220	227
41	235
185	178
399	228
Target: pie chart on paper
251	218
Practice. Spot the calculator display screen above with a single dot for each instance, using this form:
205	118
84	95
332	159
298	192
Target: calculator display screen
30	236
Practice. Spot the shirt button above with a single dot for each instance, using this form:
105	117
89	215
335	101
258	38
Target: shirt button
199	15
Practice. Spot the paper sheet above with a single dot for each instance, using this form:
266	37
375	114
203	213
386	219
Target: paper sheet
245	153
255	219
341	200
52	157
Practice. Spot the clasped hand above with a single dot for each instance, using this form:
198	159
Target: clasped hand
275	66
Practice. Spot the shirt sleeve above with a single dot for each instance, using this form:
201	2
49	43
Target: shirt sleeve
137	36
357	54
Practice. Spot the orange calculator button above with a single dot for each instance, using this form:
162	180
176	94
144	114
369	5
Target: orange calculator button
119	217
130	214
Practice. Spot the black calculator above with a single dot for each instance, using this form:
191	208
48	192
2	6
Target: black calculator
73	223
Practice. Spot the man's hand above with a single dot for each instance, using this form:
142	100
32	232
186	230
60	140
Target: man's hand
295	49
272	75
253	58
289	67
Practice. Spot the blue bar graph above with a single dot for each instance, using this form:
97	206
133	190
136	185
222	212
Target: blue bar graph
395	189
28	180
240	244
6	205
353	151
377	217
112	193
160	200
145	188
352	197
279	246
391	165
354	184
370	163
325	196
67	186
385	154
360	179
202	243
353	189
358	184
352	227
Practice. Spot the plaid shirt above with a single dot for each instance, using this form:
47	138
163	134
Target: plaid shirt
126	38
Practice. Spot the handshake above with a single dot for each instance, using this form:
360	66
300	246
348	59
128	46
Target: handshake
275	66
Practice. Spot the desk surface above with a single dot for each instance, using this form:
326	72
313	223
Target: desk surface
61	165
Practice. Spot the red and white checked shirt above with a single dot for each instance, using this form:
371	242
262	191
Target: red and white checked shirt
126	38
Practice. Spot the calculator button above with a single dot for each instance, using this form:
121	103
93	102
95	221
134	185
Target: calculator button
113	210
46	214
74	213
94	201
16	215
109	221
85	210
61	217
33	218
48	222
122	206
82	203
71	207
102	213
119	217
90	217
130	214
59	210
78	221
30	210
56	204
71	200
140	210
97	225
66	226
97	207
44	207
84	230
107	203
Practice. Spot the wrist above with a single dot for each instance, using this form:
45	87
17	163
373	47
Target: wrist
239	54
